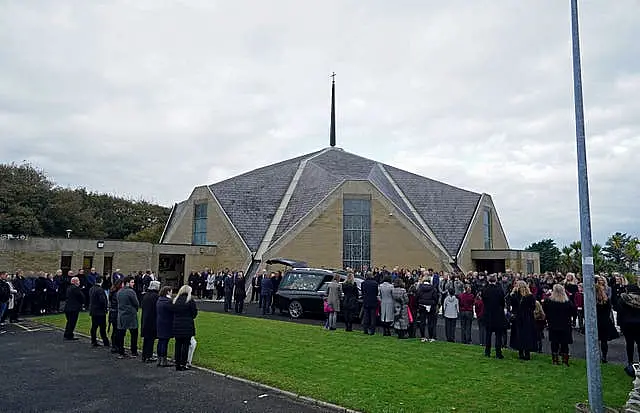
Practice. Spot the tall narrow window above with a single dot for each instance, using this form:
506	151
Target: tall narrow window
200	224
356	233
487	226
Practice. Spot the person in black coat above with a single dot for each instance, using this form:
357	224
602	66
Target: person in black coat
559	311
350	301
184	312
523	330
493	316
149	320
369	289
164	325
72	307
113	315
229	283
239	293
98	308
427	299
606	329
628	307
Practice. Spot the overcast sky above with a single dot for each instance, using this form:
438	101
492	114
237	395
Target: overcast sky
150	98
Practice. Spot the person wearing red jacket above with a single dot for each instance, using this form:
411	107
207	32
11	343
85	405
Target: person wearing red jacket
478	305
466	300
578	301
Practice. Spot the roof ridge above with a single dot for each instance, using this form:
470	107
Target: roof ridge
297	159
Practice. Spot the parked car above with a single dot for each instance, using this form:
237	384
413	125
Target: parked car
302	290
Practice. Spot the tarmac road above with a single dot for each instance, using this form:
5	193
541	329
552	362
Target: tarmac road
42	373
617	352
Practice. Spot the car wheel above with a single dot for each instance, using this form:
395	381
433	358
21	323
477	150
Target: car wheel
295	309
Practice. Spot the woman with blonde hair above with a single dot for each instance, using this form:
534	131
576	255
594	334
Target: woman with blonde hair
559	311
334	292
184	312
523	333
606	329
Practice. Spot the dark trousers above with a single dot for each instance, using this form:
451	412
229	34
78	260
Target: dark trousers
632	340
482	332
147	347
260	300
134	341
99	321
559	348
604	349
348	319
228	297
255	294
369	320
219	293
487	342
163	345
450	328
266	303
466	318
432	322
239	305
52	302
72	320
114	334
182	351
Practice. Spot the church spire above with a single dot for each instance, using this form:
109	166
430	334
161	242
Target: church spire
332	132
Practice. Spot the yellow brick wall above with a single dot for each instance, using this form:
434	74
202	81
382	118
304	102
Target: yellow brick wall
320	243
392	244
230	252
476	237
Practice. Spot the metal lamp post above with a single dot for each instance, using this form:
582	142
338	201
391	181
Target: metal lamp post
594	379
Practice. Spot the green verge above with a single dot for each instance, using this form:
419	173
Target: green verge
383	374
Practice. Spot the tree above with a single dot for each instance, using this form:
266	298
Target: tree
571	258
152	234
622	252
31	204
549	254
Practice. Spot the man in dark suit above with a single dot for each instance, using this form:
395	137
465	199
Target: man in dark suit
494	315
72	307
369	289
98	306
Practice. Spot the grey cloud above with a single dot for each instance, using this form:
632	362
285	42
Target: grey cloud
149	99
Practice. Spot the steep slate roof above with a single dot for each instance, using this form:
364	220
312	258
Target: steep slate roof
447	210
251	199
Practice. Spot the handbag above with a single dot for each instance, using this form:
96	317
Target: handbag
410	315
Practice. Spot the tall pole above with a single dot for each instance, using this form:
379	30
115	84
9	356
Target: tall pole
332	131
594	379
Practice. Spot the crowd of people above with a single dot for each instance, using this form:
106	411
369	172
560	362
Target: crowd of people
515	308
113	303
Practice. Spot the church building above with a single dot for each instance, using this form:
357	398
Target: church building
335	209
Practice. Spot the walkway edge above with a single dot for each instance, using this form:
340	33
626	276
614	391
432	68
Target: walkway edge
284	393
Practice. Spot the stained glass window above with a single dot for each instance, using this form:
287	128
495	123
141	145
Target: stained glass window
200	224
356	233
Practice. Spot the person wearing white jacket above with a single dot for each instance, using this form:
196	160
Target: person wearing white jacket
451	310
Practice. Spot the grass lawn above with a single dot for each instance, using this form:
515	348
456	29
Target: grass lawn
383	374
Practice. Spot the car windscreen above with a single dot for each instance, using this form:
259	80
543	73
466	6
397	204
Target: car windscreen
301	281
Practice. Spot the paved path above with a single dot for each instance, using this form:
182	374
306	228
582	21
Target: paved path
42	373
617	352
